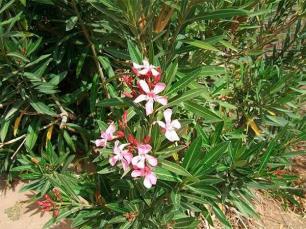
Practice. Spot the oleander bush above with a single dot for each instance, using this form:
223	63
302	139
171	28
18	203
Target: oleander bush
150	113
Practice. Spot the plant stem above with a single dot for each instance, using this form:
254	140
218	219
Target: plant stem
92	47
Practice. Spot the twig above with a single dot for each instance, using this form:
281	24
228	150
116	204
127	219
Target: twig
64	114
19	147
92	47
12	141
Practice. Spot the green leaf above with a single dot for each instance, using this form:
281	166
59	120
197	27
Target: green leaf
170	74
32	135
134	52
189	77
106	64
115	102
5	124
218	14
19	56
93	94
164	174
266	156
175	168
69	140
186	96
212	156
42	108
192	154
201	45
228	45
201	111
220	215
71	22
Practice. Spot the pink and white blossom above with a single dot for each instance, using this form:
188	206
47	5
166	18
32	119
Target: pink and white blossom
170	126
106	136
140	160
122	155
145	69
149	176
151	95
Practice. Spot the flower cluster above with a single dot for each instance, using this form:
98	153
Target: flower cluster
48	204
134	155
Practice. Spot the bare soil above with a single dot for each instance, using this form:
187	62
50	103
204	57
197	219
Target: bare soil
18	211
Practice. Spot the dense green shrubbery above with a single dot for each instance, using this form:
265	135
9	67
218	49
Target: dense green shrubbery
232	72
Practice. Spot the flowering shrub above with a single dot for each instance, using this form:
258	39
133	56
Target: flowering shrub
142	165
151	114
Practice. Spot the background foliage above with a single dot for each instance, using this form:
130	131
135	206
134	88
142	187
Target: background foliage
235	75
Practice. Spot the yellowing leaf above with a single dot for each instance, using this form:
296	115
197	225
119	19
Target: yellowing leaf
49	134
17	123
254	127
271	113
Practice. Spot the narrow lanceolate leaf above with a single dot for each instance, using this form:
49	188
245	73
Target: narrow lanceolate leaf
192	154
203	112
18	56
185	97
134	53
4	129
164	174
220	215
201	45
115	102
219	14
32	135
188	78
212	156
175	168
170	74
266	156
42	108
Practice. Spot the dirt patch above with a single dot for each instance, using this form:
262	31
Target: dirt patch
19	211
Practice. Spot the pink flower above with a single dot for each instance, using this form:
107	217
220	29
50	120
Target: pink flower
121	155
143	156
151	96
145	69
106	136
149	176
170	126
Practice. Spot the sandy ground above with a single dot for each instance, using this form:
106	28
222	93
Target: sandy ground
17	211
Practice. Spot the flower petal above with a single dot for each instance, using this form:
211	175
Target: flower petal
137	173
145	63
125	165
116	149
127	156
139	161
113	160
100	142
137	66
151	160
140	98
149	106
176	124
144	148
144	86
159	87
144	71
161	124
111	129
152	177
167	115
147	182
171	135
155	72
161	99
